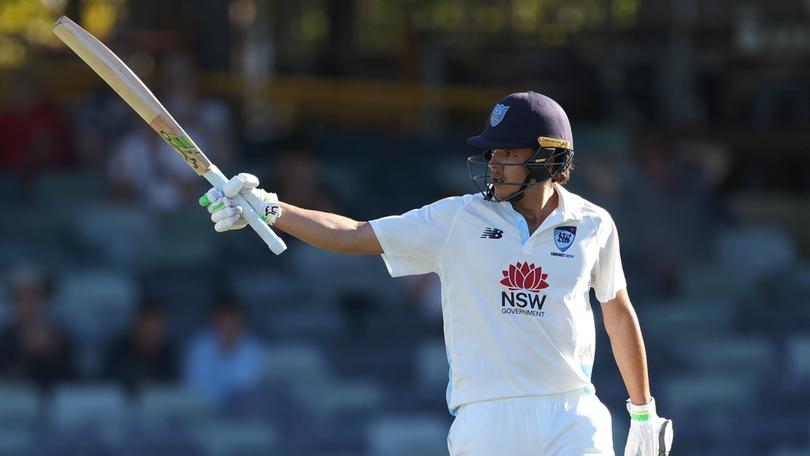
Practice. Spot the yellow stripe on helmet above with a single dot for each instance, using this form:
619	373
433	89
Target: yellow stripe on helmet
553	142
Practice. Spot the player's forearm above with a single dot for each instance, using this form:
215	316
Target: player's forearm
627	343
328	231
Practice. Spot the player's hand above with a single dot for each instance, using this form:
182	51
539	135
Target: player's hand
226	213
650	434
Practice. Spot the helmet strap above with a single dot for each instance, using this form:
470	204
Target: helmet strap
518	195
535	174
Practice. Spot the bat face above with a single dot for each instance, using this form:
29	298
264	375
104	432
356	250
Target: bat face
180	142
183	146
132	90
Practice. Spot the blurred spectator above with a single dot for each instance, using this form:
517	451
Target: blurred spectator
664	206
296	177
98	121
34	133
225	359
144	355
144	168
31	347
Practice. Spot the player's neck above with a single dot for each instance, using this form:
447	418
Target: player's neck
537	203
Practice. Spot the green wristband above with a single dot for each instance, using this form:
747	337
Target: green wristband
640	416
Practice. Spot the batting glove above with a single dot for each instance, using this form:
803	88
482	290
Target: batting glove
650	435
226	213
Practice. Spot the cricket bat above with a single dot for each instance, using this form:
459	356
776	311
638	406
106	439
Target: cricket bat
135	93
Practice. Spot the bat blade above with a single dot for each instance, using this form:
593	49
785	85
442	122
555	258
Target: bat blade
135	93
131	89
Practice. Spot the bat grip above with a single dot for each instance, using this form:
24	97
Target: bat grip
217	179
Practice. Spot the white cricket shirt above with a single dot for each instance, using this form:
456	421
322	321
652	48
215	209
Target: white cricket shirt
517	317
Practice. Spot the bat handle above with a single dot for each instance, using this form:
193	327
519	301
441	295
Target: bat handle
217	179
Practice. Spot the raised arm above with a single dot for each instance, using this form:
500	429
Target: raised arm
329	231
320	229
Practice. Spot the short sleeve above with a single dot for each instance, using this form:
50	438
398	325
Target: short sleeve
412	242
607	277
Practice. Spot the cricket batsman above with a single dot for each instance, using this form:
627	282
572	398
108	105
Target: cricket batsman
516	263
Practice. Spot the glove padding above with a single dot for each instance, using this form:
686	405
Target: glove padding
650	435
226	213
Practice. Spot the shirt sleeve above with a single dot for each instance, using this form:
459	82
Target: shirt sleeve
607	276
412	242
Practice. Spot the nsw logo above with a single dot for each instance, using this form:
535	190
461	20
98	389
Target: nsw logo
492	233
498	113
564	237
524	276
524	282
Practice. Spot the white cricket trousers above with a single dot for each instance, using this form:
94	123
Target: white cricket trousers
571	425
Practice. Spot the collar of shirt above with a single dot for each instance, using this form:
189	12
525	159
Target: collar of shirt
568	209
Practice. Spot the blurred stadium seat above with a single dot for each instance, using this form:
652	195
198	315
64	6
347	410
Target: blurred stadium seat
432	369
101	409
52	253
337	274
20	405
237	438
702	282
745	356
798	359
27	239
184	295
699	391
6	307
408	436
181	242
785	291
65	188
783	209
277	307
751	252
340	397
790	451
17	441
117	233
95	306
263	289
166	442
170	407
321	323
10	185
664	317
294	362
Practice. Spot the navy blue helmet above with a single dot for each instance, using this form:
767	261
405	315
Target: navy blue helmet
520	120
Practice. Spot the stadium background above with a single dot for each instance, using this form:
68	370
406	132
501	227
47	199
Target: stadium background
690	126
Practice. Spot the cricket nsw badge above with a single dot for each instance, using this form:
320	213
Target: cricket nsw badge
498	113
564	237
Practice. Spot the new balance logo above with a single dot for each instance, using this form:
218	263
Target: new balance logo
492	233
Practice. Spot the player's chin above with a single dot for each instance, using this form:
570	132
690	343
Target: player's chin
503	191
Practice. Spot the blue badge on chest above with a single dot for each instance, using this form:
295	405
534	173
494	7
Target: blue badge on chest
564	237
